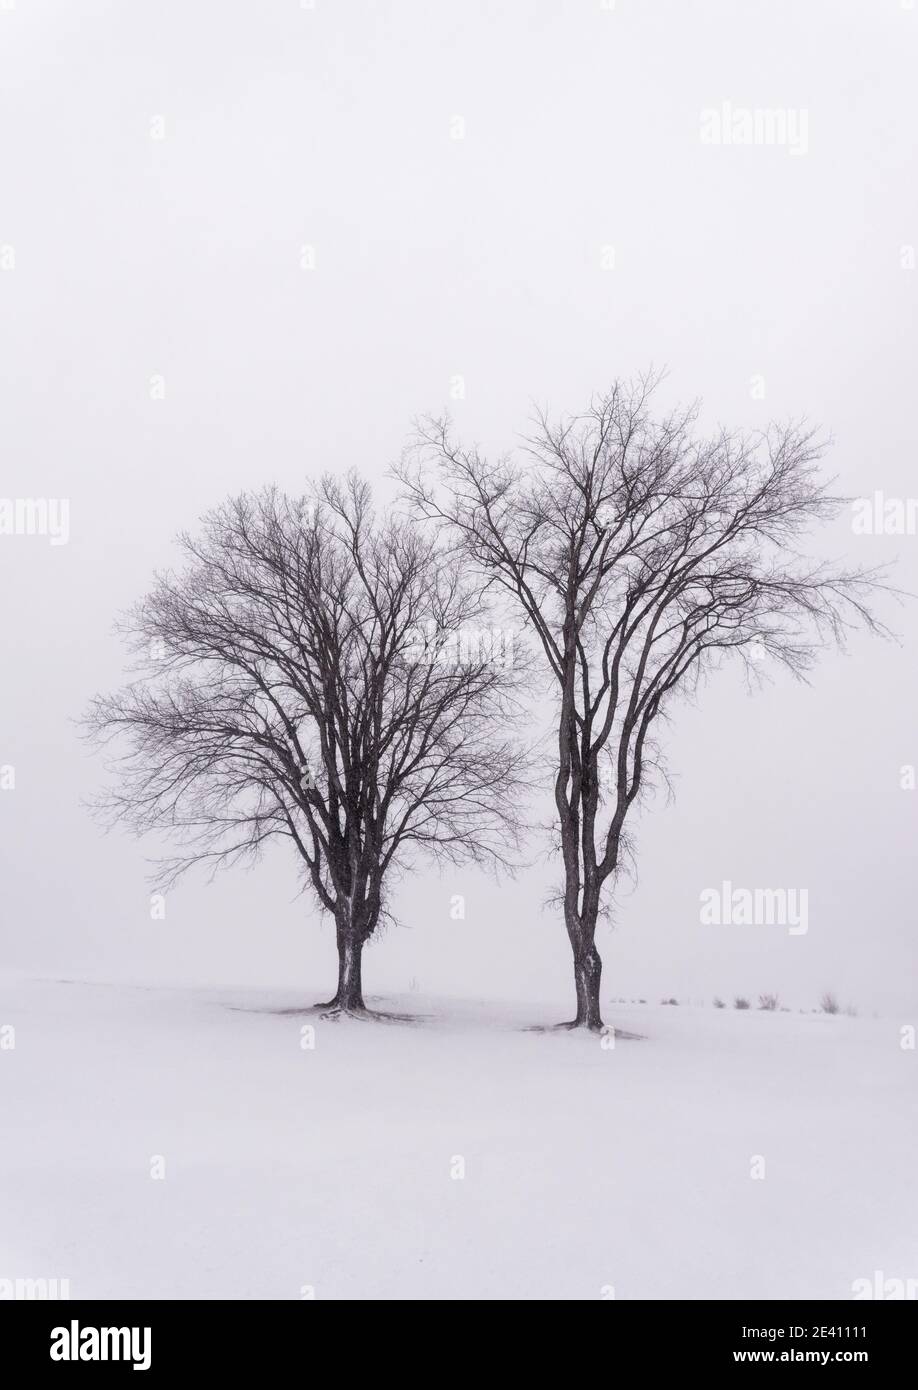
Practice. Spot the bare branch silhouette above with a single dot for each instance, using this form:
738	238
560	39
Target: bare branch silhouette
641	555
304	678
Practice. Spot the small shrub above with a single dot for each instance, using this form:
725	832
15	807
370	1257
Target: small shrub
768	1002
740	1003
851	1011
718	1003
669	1001
828	1003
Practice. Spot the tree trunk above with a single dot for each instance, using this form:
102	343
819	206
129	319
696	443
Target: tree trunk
349	997
587	976
581	933
350	982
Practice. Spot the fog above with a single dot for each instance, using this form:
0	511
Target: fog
245	243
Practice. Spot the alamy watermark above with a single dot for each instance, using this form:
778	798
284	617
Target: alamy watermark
429	645
785	127
81	1343
880	1287
21	1289
755	907
880	515
36	516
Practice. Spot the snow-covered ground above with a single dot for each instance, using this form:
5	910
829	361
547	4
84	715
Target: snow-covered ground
338	1167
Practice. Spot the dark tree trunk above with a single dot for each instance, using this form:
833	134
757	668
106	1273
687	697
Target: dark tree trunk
350	981
587	969
349	996
587	976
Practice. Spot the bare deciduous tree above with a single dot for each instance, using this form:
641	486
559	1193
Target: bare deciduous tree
640	555
301	679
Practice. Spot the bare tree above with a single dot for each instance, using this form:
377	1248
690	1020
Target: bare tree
303	678
640	555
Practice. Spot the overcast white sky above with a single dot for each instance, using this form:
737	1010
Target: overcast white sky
771	280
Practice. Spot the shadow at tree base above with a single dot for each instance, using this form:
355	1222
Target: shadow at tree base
331	1012
608	1030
